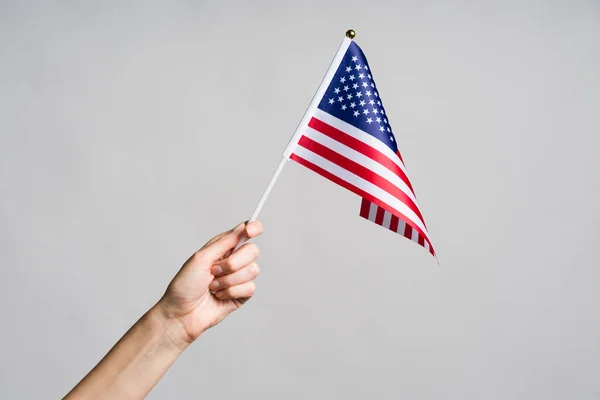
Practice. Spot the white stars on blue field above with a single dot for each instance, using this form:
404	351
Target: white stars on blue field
352	97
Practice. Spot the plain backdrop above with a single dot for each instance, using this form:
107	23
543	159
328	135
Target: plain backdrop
132	132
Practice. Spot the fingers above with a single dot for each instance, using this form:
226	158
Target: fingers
244	256
221	244
246	274
234	274
254	229
243	291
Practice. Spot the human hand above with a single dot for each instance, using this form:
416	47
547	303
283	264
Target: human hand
213	282
209	286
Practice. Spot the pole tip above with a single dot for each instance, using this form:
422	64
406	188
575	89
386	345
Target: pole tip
350	34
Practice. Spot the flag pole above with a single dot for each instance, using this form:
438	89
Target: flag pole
350	34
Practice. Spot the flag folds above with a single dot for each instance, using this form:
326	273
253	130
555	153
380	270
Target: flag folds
346	137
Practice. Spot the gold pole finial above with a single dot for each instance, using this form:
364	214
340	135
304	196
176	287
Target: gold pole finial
350	34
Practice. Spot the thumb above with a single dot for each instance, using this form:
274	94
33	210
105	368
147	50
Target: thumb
219	246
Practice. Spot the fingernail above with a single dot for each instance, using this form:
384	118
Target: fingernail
214	285
217	270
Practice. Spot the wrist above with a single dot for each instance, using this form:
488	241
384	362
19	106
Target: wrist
172	330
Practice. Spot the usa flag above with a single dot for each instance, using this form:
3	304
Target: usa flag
346	137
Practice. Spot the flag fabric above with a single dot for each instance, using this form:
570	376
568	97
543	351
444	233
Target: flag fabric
347	138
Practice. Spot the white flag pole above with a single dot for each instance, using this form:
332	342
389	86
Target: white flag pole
350	34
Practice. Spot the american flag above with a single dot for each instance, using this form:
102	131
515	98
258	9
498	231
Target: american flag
346	137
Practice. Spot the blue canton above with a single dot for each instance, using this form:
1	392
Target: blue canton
352	96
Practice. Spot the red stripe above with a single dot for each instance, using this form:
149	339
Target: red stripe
408	232
400	157
361	171
361	147
364	208
394	223
354	189
413	190
379	216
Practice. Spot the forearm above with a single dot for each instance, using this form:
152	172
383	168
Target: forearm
212	283
137	362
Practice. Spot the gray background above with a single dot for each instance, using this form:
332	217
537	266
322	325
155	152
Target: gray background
130	133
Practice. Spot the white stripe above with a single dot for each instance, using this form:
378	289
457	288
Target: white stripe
426	245
314	103
387	218
373	212
360	183
401	227
361	159
415	236
359	135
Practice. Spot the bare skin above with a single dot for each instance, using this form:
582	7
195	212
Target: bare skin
211	284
